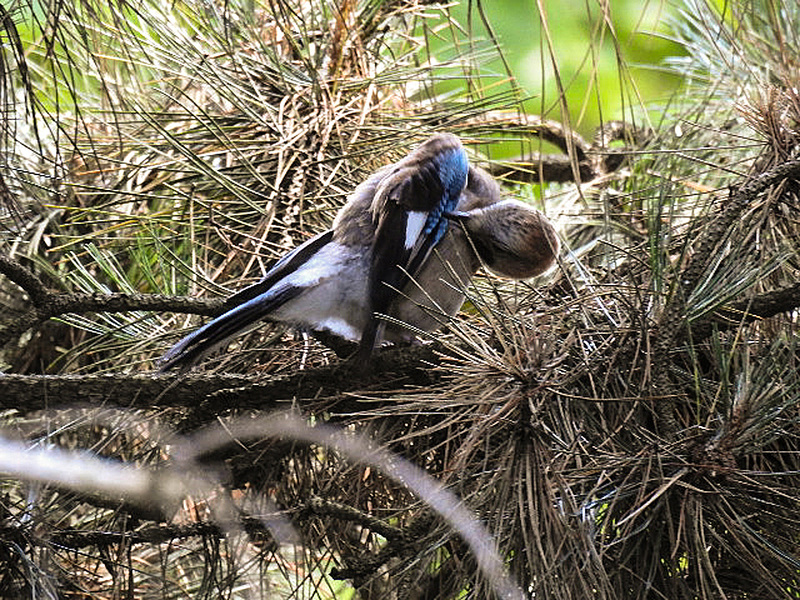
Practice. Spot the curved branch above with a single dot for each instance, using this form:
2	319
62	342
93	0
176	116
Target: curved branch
593	160
671	325
322	507
552	132
25	279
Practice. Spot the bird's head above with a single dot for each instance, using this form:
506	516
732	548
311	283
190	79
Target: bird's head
512	238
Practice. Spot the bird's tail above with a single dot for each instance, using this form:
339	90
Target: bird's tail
214	333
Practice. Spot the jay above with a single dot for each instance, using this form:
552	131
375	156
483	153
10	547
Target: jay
407	241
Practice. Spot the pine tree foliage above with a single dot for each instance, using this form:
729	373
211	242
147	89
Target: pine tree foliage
625	426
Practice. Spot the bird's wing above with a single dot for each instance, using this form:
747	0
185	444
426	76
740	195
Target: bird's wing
285	266
234	322
408	210
249	306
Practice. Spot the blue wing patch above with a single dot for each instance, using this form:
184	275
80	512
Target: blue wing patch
452	168
430	180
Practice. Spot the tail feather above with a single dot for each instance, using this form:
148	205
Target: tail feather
216	332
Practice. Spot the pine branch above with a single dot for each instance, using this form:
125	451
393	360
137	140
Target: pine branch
590	161
673	321
205	396
47	304
749	310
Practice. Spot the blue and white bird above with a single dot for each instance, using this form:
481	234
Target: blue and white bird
378	258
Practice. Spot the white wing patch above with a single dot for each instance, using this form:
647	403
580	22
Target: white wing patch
414	223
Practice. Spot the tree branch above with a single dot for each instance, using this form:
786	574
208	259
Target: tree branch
749	310
320	506
593	160
148	534
25	279
47	304
205	396
552	132
671	325
120	302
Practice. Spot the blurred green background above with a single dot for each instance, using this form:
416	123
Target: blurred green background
608	54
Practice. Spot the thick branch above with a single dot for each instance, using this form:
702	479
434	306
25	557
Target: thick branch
524	124
739	199
118	302
208	395
555	168
149	534
25	279
746	311
590	161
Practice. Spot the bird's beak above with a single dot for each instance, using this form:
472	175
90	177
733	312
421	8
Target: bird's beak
456	215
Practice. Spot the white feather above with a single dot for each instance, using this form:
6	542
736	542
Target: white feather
414	224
